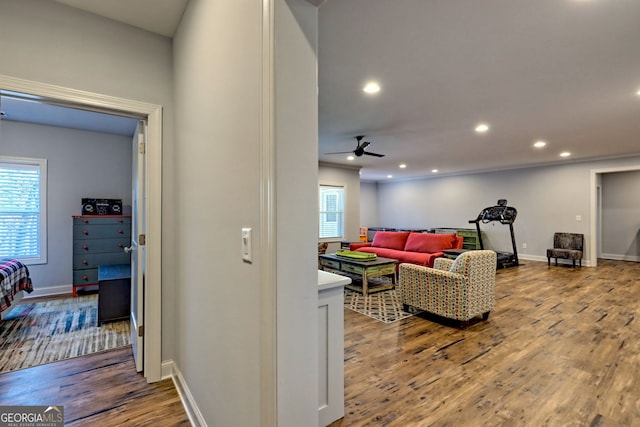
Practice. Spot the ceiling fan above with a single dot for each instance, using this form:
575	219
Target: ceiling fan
360	147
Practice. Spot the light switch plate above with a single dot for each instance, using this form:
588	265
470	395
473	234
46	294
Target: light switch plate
246	245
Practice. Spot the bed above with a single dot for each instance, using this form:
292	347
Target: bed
14	281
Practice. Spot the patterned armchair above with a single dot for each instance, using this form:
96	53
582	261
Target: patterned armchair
459	289
566	246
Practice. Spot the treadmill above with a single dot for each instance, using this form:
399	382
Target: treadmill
504	215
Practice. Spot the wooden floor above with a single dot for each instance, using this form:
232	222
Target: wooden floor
101	389
562	348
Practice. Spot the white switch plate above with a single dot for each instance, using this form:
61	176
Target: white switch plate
578	217
246	245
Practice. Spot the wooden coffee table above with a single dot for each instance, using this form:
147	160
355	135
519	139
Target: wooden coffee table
362	271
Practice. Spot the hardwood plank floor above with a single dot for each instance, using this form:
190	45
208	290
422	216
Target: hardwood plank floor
101	389
561	348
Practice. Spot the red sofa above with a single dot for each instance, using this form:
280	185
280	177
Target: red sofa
413	248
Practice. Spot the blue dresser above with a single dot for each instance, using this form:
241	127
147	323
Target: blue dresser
98	240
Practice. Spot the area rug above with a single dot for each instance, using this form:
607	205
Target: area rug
38	333
383	306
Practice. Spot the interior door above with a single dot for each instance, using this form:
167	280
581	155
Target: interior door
138	248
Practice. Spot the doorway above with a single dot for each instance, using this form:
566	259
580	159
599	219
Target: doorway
595	245
153	177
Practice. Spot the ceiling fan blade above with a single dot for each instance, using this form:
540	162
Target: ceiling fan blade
373	154
364	145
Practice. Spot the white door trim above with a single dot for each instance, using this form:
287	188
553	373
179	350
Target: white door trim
595	175
268	281
153	300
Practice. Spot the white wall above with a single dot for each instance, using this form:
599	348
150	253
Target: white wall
79	164
217	88
621	215
349	178
369	205
548	199
296	138
219	171
48	42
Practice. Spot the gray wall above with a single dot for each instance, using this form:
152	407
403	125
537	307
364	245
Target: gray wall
211	315
369	205
48	42
349	178
79	164
220	346
621	215
548	199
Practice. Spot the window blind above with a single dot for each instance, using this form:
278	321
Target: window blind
331	212
20	209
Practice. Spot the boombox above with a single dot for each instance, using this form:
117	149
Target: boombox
101	206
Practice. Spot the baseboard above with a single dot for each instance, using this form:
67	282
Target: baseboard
521	257
170	370
49	291
531	257
618	257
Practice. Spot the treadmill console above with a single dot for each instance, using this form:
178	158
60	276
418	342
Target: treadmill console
504	214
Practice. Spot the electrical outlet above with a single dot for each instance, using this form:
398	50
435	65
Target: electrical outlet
578	217
524	246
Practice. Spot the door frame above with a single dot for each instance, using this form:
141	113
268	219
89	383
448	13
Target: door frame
105	103
596	208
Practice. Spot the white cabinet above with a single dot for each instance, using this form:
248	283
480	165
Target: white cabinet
331	346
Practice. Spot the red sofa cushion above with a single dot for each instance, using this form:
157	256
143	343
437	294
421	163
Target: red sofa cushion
429	242
418	258
383	252
390	239
357	245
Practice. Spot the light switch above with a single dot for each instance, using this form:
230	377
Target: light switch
578	217
246	245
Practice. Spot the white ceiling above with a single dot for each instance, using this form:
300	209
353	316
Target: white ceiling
565	71
158	16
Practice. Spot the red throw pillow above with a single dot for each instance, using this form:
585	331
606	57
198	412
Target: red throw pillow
390	239
429	242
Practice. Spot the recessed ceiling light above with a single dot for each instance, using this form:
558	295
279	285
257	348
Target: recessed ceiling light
389	176
350	158
434	170
402	166
482	127
539	144
565	154
371	87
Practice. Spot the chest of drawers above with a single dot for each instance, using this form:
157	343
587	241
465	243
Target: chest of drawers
98	240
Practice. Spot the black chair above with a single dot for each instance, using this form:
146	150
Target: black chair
566	246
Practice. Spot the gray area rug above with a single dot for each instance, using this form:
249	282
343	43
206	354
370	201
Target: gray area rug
383	306
37	333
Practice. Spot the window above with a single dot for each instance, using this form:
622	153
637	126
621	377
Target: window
23	185
331	212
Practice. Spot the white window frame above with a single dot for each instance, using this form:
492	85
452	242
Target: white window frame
339	212
41	164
